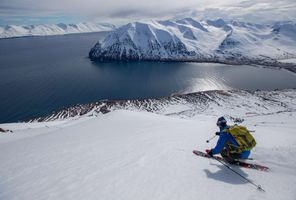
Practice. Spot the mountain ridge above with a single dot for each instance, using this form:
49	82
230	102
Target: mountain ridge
206	41
188	105
11	31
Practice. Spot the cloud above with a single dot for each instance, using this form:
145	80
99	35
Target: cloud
259	11
99	7
262	10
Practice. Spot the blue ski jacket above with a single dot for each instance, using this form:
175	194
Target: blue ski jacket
227	137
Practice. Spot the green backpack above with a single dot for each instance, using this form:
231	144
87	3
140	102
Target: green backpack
243	137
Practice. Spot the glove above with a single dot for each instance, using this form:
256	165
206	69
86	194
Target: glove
209	152
217	133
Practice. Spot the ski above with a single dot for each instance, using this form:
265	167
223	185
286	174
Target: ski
238	163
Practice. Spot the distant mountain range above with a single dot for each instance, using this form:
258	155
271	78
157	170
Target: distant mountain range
206	41
10	31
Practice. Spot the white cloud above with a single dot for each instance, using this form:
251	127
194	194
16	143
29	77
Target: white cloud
253	10
260	10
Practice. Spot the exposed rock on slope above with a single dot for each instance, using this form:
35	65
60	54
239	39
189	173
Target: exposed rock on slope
188	105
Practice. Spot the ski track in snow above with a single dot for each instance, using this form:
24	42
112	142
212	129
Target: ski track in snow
134	154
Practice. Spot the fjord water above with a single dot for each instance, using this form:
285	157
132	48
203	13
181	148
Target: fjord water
39	75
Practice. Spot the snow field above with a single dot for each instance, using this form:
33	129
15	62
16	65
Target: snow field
139	155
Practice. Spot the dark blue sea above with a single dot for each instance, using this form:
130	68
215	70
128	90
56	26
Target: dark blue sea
39	75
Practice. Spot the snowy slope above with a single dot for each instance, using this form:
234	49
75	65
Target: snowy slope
139	155
134	154
253	40
190	40
52	29
291	60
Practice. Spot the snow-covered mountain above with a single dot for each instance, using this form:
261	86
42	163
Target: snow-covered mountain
134	154
190	40
52	29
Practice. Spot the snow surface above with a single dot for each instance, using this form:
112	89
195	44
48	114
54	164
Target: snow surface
139	155
291	60
52	29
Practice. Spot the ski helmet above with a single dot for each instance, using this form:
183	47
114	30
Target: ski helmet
221	122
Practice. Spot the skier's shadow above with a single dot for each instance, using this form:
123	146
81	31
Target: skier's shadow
226	175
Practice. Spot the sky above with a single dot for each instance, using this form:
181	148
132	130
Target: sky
121	11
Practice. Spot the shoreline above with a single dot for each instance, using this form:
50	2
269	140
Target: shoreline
244	61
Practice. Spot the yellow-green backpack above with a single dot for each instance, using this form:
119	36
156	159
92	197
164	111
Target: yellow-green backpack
242	136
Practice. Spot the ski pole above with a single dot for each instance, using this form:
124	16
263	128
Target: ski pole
211	138
257	186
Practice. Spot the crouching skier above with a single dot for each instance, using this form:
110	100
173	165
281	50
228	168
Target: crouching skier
235	142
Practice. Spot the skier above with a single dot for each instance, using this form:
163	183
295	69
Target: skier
227	146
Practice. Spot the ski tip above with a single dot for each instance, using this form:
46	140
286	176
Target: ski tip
265	169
